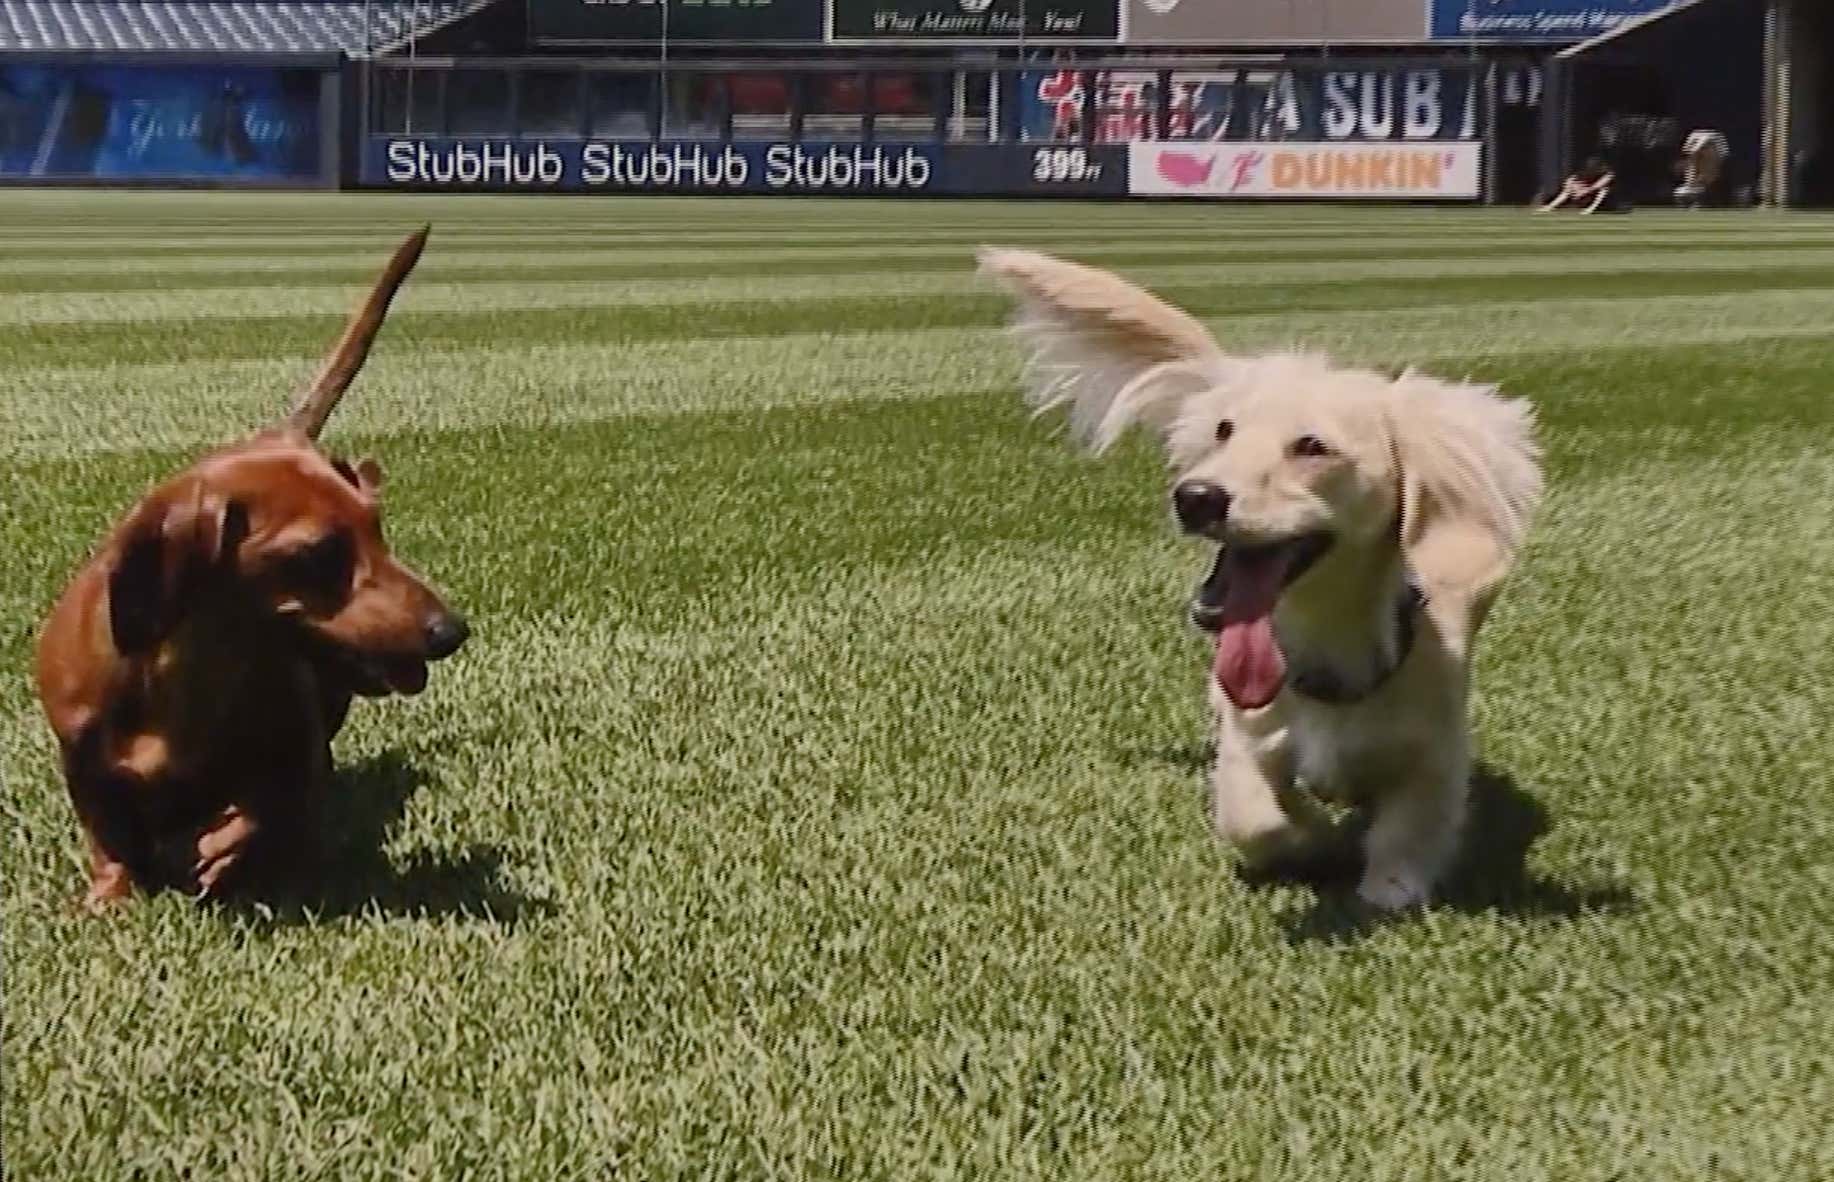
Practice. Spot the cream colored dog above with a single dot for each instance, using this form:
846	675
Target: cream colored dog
1366	525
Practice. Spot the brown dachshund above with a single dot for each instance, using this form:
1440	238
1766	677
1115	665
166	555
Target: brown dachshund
197	668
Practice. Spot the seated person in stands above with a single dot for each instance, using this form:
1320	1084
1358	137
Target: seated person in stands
1703	160
1590	187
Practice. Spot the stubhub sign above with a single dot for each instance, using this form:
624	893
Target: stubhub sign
645	166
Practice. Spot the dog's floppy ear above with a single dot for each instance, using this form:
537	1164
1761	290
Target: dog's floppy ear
171	543
369	475
1470	476
365	474
1110	351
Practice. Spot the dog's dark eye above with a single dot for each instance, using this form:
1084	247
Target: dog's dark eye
323	566
1310	445
1224	430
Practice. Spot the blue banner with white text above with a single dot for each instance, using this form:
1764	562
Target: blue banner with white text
1533	20
108	122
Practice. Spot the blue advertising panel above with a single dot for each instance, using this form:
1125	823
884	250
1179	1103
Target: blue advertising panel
701	166
1258	104
1533	20
104	122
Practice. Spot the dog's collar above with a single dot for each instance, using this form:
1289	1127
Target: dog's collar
1326	685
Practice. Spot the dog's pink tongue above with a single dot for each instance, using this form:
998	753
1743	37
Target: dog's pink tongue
1249	664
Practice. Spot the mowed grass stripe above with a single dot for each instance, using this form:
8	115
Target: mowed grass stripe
690	543
1201	286
308	242
688	263
89	409
533	220
61	412
48	346
765	254
262	214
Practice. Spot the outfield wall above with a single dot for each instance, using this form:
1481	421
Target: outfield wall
1349	129
1369	130
1315	171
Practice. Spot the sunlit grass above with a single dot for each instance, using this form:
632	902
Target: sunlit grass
820	793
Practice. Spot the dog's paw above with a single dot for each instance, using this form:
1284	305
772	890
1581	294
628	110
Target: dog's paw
219	849
1269	850
1393	891
106	894
210	873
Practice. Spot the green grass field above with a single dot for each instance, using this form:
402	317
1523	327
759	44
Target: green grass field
820	795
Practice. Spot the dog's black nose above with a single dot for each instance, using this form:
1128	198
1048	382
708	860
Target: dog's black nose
445	633
1200	505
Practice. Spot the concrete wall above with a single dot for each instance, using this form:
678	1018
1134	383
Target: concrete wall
1808	121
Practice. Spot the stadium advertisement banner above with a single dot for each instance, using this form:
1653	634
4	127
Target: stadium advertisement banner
700	166
1316	171
704	21
1254	104
1533	20
974	20
190	123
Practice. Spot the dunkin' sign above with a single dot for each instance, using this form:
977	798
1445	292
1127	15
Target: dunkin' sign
1371	170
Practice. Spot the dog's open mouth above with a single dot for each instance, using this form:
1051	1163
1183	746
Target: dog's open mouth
402	675
1237	602
371	675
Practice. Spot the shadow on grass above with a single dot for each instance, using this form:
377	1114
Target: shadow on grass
1491	875
348	873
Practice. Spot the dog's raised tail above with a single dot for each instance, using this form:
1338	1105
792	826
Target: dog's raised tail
317	400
